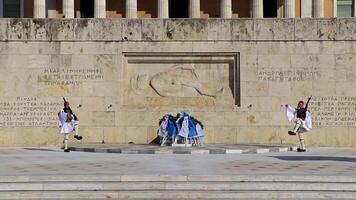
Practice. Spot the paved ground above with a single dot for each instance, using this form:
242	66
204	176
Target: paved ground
53	161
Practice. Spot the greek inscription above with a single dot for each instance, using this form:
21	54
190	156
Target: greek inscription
70	76
28	111
333	111
288	75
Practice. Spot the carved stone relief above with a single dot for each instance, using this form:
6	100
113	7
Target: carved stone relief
202	81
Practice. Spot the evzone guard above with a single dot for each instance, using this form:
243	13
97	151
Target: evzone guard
68	122
302	119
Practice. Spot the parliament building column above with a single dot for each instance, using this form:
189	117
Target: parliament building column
131	8
68	8
99	8
289	8
163	9
256	10
39	9
226	8
318	8
194	8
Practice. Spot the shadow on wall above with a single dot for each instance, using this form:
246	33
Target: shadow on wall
315	158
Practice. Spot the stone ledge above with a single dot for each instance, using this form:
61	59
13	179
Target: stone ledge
206	149
325	29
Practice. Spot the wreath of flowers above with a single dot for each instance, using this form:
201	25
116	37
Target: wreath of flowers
175	118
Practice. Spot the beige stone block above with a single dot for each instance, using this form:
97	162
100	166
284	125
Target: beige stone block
345	88
93	103
278	118
274	61
213	118
137	135
107	61
47	48
82	30
243	29
152	30
257	135
57	60
18	29
325	61
66	48
124	118
103	118
304	88
326	74
325	88
352	136
39	29
346	29
106	29
90	47
106	88
131	29
30	137
274	48
62	30
341	75
327	29
248	69
114	135
15	61
38	61
338	137
225	135
213	46
284	137
3	29
187	29
219	29
305	29
83	61
235	118
328	47
85	117
92	134
350	75
243	88
260	103
316	137
247	47
173	46
152	134
255	118
279	89
209	137
256	89
264	29
345	61
302	60
283	29
307	47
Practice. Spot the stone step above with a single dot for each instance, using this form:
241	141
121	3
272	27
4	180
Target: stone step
176	195
178	186
177	178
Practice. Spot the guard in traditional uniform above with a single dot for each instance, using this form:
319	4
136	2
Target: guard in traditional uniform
302	119
68	122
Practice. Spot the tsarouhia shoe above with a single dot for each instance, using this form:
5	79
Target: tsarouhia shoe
291	133
78	137
301	150
67	150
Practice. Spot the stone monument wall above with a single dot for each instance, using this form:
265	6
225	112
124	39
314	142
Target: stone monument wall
122	76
